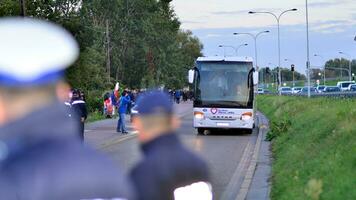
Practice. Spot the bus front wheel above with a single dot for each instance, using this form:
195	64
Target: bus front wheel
200	131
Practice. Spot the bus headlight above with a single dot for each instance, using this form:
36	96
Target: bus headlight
199	115
246	116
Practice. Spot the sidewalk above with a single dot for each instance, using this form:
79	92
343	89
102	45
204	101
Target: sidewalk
261	183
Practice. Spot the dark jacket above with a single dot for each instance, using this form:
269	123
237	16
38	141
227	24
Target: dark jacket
41	158
79	109
68	108
166	166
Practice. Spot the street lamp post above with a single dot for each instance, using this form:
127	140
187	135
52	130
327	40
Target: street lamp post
237	49
322	58
255	39
308	51
341	69
278	18
350	70
227	46
223	46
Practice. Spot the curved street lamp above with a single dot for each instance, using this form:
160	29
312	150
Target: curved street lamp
278	19
226	46
238	47
350	59
255	39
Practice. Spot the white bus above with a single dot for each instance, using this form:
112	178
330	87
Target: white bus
224	96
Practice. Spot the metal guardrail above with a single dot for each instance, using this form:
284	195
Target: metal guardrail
342	95
339	95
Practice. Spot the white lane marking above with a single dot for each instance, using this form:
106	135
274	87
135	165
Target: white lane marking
234	181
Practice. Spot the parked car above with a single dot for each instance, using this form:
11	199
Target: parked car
352	87
285	90
320	88
305	90
261	91
331	89
296	90
344	85
267	91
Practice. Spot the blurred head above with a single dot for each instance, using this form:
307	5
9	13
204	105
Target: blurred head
76	94
155	116
34	55
124	93
16	102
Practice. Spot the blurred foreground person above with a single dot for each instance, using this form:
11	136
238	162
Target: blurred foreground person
79	112
41	156
168	170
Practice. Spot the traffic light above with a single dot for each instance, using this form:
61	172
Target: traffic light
292	68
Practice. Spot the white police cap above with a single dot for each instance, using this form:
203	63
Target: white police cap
34	52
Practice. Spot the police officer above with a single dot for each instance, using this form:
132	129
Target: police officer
41	156
168	170
68	104
79	111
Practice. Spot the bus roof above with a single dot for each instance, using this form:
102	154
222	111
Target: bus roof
221	58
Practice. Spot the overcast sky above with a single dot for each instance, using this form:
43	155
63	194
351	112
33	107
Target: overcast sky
332	28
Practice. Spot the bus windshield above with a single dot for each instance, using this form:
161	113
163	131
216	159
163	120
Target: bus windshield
223	84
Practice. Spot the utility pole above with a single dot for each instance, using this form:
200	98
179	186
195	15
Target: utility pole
308	54
23	8
108	63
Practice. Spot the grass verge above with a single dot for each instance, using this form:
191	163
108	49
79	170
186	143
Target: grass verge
314	147
95	116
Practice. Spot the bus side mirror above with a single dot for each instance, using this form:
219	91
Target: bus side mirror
255	78
191	74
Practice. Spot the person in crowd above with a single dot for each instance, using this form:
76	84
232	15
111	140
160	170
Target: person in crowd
68	104
79	111
185	96
114	101
177	96
131	103
41	156
108	106
168	170
123	106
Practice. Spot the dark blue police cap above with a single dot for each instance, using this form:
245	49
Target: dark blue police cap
154	102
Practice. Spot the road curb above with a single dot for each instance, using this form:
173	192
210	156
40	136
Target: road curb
242	194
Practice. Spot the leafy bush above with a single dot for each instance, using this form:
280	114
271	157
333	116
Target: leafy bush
278	128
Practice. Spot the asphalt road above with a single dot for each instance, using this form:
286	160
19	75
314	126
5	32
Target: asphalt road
228	153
